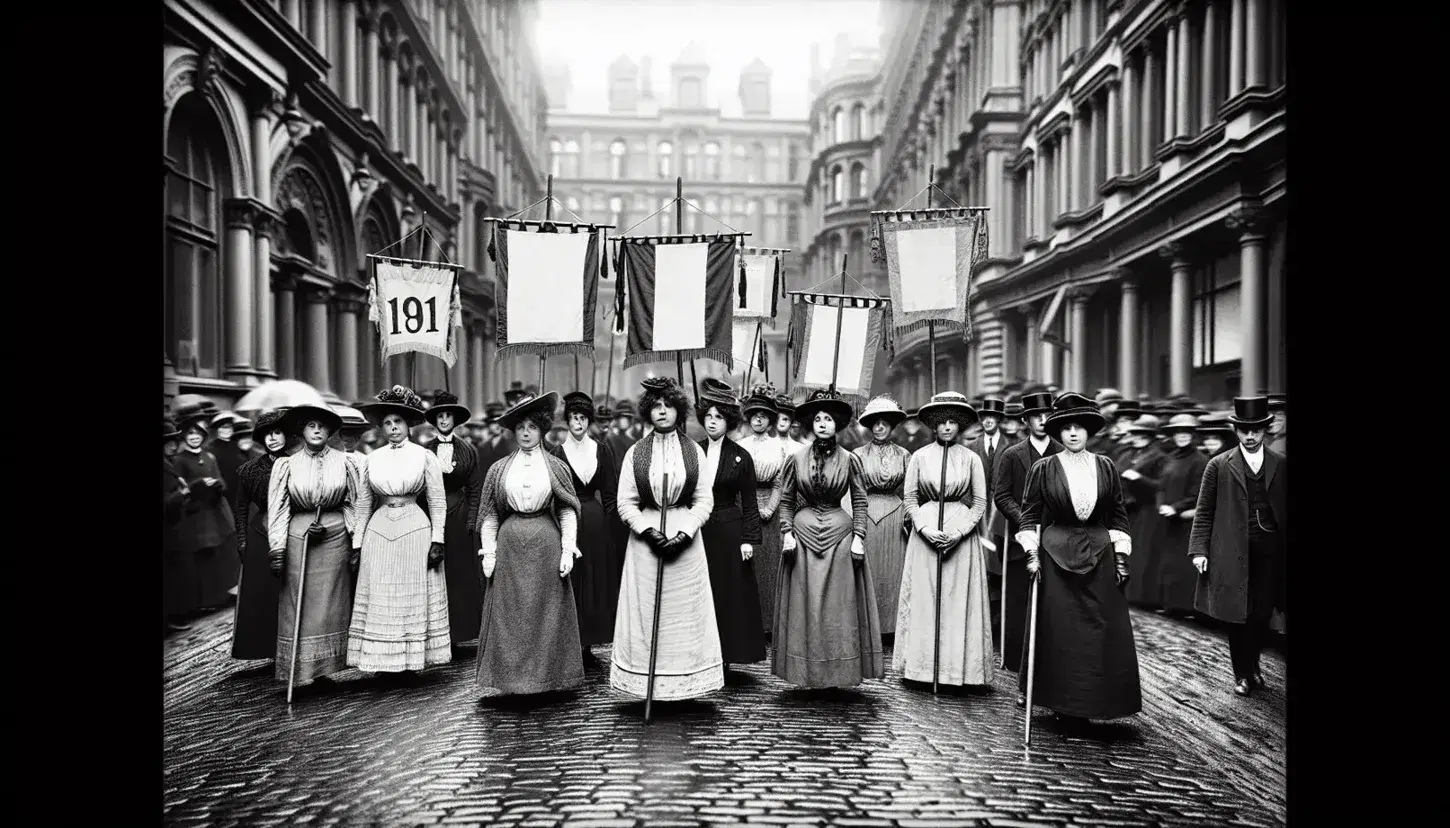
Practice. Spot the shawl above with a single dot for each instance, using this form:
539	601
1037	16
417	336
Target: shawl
495	498
644	453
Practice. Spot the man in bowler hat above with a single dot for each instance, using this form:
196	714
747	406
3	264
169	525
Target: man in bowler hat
1237	543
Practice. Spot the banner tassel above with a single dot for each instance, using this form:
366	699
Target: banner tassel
777	288
492	248
742	283
620	284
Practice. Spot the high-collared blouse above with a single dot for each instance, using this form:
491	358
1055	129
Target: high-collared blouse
307	480
583	457
1080	469
666	455
399	470
528	490
883	466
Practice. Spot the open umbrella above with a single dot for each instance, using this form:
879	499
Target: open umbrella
280	394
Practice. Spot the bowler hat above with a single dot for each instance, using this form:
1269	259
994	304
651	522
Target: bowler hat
1072	408
882	407
948	405
827	401
447	401
1251	412
1039	402
1013	411
993	405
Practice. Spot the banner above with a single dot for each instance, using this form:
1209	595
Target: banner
548	285
813	327
930	256
416	308
744	345
679	292
761	284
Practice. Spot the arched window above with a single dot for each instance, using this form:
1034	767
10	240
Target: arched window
571	159
556	157
712	161
858	122
617	159
740	164
838	121
838	184
858	180
616	211
667	160
193	290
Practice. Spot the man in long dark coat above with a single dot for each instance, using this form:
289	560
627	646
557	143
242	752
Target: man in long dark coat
497	443
1009	485
990	443
1237	544
463	486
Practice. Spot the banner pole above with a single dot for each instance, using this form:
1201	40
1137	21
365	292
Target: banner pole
548	216
931	324
840	317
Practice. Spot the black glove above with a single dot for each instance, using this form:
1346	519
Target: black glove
241	549
435	555
1121	562
277	560
355	558
316	530
676	545
654	537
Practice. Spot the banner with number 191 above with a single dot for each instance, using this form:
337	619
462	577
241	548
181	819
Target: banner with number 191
415	308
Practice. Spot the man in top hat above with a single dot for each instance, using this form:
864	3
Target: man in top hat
1237	543
988	445
1279	428
1012	421
463	487
1009	485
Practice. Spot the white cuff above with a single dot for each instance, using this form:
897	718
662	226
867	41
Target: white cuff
1028	539
1122	544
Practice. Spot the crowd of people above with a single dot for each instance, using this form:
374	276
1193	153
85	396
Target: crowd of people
692	534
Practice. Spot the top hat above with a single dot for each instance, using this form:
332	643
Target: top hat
396	400
579	402
527	407
947	405
993	405
785	405
1039	402
882	407
1251	412
447	401
352	419
1108	395
762	398
1013	411
1278	402
827	401
1145	424
515	393
299	415
1072	408
268	422
1181	422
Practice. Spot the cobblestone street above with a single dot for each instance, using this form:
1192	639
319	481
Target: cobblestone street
429	753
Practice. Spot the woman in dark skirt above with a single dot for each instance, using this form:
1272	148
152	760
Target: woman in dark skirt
528	641
1075	533
592	470
1173	574
254	627
178	574
733	530
463	485
207	531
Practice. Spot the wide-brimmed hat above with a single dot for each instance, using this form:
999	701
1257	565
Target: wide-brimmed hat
352	419
529	406
912	412
227	418
625	408
191	407
947	405
242	428
300	415
1128	408
785	405
268	422
515	393
1108	395
827	401
882	407
447	401
1251	412
1039	402
992	405
1013	411
169	429
1278	402
716	394
1180	422
602	412
1215	422
398	400
762	398
1145	424
1072	408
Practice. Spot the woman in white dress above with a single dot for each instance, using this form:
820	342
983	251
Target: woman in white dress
944	525
689	662
400	616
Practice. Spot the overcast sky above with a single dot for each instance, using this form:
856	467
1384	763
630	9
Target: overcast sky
588	35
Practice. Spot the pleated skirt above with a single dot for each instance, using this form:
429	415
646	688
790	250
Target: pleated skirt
327	594
400	617
966	656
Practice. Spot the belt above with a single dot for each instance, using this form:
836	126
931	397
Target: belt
400	500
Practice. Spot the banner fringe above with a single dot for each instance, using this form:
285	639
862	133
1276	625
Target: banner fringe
645	357
941	325
544	349
395	350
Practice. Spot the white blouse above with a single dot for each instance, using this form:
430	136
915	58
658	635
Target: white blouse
583	457
1081	470
768	453
527	489
402	469
666	457
712	460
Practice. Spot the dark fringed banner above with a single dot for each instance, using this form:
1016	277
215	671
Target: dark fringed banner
637	276
498	251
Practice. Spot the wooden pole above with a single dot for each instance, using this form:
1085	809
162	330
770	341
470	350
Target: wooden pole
297	617
840	317
679	229
931	324
654	639
941	506
749	367
548	215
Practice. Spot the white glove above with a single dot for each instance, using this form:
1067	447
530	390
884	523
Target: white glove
1200	563
787	542
858	549
490	560
988	545
746	551
566	563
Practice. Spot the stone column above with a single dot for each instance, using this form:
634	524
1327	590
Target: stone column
1235	49
1249	223
370	69
1255	55
1077	299
1209	94
390	61
319	28
350	304
285	297
292	10
1185	77
1064	175
367	360
240	292
1128	334
347	21
413	127
1031	357
1171	92
265	348
1145	111
317	364
1180	319
1081	173
1033	208
1115	134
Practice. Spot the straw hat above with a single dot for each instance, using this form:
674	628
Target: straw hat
882	407
947	405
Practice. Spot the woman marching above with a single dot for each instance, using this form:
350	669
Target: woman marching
313	497
1173	574
529	527
462	486
945	518
254	628
1075	533
400	618
769	454
208	531
595	482
827	630
883	467
733	531
663	470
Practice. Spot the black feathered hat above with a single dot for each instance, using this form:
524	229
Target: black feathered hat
447	401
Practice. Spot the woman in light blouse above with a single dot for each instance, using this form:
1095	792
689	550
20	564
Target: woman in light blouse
883	468
1075	533
768	454
528	639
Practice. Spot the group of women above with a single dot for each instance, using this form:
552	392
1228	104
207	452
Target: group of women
745	537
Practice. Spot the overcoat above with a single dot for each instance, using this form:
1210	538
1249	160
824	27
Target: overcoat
994	524
1221	532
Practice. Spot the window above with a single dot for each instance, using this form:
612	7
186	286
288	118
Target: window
858	122
1216	331
793	172
772	163
712	161
858	180
752	217
857	261
713	207
692	161
792	222
616	211
666	161
667	216
838	126
193	290
617	158
571	204
556	157
838	184
740	164
571	159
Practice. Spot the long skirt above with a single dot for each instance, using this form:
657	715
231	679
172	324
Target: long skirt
1174	573
400	618
178	578
326	599
209	535
766	562
596	574
1087	664
966	614
689	662
886	547
462	571
1016	592
1143	523
827	631
254	625
732	584
529	632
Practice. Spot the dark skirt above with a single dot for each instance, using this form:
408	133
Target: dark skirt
1142	525
595	578
254	625
528	641
1086	661
1018	592
462	571
178	579
737	597
1173	571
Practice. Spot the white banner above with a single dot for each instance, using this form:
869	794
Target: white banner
679	301
415	308
816	368
546	286
759	282
743	344
928	261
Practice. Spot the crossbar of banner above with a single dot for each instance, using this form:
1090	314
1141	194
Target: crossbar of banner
881	299
930	211
537	223
416	262
683	238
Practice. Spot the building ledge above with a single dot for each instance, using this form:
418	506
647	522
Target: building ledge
1034	243
1255	98
1079	218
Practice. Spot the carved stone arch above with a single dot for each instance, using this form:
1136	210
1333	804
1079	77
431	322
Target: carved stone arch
310	188
378	206
190	73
